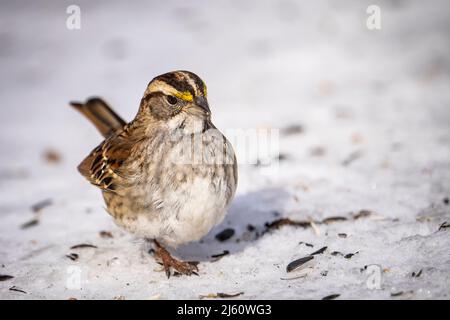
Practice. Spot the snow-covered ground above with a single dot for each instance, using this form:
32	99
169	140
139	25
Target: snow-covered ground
374	108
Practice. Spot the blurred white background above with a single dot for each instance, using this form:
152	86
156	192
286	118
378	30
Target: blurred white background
373	105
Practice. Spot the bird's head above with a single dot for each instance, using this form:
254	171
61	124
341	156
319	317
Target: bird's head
176	97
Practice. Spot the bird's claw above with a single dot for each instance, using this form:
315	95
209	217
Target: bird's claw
170	263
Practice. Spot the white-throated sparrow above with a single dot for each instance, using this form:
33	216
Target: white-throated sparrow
169	174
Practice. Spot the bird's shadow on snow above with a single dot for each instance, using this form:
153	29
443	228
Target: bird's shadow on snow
247	216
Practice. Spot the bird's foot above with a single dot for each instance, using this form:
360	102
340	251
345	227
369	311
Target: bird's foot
170	263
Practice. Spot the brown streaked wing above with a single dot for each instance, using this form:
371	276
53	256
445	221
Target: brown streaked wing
102	166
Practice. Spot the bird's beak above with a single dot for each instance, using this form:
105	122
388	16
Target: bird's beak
202	103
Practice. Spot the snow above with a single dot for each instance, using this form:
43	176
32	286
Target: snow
375	111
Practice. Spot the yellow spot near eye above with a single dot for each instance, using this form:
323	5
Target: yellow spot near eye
184	95
205	90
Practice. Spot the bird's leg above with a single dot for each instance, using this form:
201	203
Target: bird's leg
169	262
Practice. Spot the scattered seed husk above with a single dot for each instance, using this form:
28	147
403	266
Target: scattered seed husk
219	256
41	205
112	262
443	226
119	298
292	129
294	278
331	297
276	224
286	222
362	214
337	253
72	256
106	234
221	295
324	273
251	228
228	295
298	263
351	157
320	251
446	201
306	244
4	277
400	293
333	219
14	288
416	275
83	245
350	255
52	156
29	224
224	235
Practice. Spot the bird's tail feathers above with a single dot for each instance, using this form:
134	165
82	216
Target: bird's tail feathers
101	115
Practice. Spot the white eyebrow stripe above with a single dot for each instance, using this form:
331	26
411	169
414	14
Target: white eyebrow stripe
159	85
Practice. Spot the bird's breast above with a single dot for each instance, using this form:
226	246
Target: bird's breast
181	192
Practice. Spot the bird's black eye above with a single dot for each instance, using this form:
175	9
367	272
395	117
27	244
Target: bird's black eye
172	100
